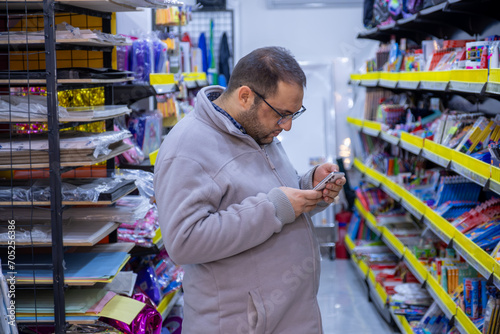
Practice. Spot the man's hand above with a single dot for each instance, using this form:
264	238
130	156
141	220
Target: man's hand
302	200
332	189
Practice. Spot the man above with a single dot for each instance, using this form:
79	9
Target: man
233	211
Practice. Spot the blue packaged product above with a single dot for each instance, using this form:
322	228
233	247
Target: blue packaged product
468	296
147	283
476	293
484	297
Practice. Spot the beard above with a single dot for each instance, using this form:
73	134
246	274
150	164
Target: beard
254	127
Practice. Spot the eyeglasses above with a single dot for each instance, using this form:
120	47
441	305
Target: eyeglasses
283	118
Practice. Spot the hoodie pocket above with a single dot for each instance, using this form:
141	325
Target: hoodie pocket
256	313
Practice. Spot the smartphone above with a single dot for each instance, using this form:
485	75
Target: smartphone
332	177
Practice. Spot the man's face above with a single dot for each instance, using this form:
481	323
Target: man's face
261	122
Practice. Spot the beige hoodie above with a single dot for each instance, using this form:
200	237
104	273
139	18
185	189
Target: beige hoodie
250	266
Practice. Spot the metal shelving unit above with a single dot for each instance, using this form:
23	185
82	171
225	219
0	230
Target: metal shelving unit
47	11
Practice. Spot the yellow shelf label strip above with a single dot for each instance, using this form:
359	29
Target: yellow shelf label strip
495	174
466	323
475	252
438	149
416	265
370	76
440	223
157	237
375	175
349	243
435	76
442	294
410	76
359	165
364	268
354	258
371	276
355	121
372	125
395	242
381	292
162	79
355	77
194	76
392	76
370	218
472	76
413	140
415	202
494	75
472	164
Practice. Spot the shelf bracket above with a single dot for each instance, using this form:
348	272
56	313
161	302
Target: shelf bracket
451	323
491	279
450	244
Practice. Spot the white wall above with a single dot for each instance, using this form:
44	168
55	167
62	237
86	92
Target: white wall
310	34
134	23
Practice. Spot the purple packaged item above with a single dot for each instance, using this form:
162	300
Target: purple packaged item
148	321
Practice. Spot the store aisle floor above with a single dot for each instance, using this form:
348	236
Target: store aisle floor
344	303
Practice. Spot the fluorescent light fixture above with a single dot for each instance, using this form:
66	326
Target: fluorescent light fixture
295	4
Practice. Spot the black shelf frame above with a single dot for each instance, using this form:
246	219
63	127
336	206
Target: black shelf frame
49	9
444	20
55	168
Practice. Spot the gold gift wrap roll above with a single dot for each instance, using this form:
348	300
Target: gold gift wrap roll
81	97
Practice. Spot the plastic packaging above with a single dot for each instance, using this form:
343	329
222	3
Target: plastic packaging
146	129
142	60
135	154
99	142
148	321
127	210
80	190
494	54
24	106
143	180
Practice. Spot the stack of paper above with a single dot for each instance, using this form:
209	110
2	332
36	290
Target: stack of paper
79	268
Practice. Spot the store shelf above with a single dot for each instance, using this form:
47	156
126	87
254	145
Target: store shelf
475	170
61	44
444	301
356	122
47	203
369	218
70	282
474	82
72	320
439	154
64	119
75	234
401	322
24	82
376	290
106	6
473	254
440	21
411	143
349	243
91	160
371	128
471	81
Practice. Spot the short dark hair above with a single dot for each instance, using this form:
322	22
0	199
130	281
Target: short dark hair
263	68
